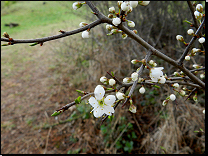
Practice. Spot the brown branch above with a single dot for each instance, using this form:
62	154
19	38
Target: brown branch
63	34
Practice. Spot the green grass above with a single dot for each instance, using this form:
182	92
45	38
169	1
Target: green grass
34	16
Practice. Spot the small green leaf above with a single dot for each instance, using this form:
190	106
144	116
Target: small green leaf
56	113
112	73
201	129
111	117
4	45
78	100
196	131
79	91
34	44
156	86
187	21
109	88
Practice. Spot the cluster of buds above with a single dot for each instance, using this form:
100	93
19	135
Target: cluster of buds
172	97
152	63
106	81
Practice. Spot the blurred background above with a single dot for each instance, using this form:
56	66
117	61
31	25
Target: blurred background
37	80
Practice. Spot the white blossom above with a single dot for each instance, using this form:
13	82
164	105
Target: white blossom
133	4
116	21
151	62
112	10
203	111
199	7
195	66
108	27
165	102
100	104
202	40
190	31
142	90
187	58
162	80
131	24
85	34
112	82
175	85
202	76
103	79
144	3
134	76
172	97
127	80
134	61
156	73
120	95
82	24
125	6
76	5
179	38
198	15
182	93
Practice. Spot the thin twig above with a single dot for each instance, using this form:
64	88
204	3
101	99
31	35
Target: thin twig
137	124
47	140
191	93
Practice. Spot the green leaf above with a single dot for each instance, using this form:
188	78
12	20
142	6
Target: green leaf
4	45
34	44
112	73
187	21
196	131
109	88
78	100
156	86
79	91
201	129
56	113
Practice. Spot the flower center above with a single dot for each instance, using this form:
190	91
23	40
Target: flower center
101	102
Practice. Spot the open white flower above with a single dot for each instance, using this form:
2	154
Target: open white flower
100	104
116	21
156	73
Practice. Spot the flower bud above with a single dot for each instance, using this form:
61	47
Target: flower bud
116	21
127	80
125	6
190	31
140	80
175	85
176	74
112	82
133	4
134	76
151	62
182	93
203	111
110	15
142	90
196	66
187	58
85	34
199	7
165	102
172	97
144	3
131	24
103	79
162	80
195	97
108	27
112	10
155	64
120	95
119	4
82	24
77	5
134	61
202	76
130	10
5	34
132	108
116	31
124	36
198	15
201	40
180	38
135	31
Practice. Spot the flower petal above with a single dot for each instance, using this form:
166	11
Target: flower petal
108	110
93	102
99	92
98	111
110	99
